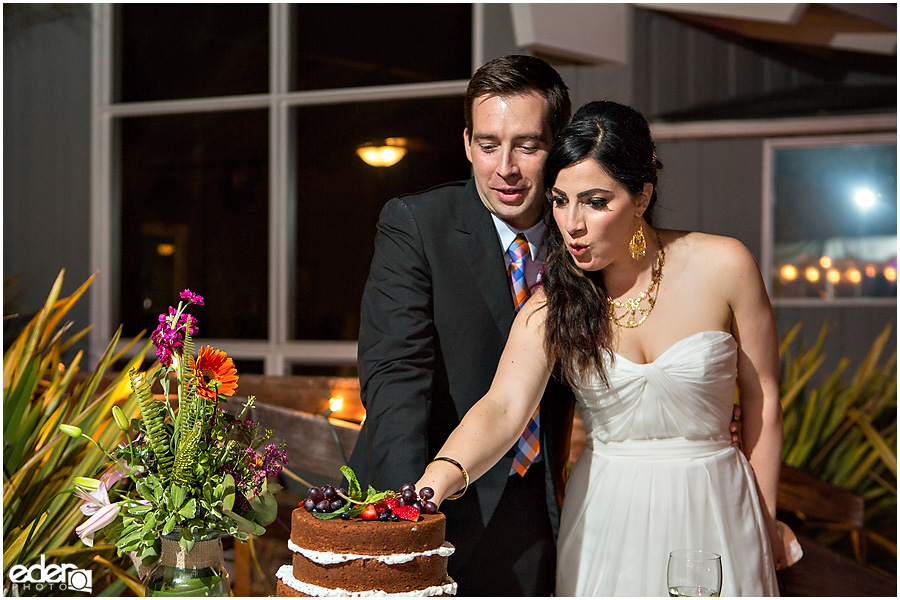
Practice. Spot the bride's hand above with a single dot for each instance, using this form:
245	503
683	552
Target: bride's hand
444	476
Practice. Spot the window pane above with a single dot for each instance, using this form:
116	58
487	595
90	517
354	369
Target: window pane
340	197
836	221
324	371
171	51
344	45
195	215
246	366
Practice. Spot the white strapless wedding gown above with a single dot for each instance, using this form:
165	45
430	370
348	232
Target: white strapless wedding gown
660	473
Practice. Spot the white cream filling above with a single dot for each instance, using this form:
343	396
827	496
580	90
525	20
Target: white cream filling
286	574
333	558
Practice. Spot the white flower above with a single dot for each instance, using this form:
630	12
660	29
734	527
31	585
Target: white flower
98	507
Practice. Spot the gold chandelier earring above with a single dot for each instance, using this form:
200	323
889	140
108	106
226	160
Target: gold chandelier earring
638	245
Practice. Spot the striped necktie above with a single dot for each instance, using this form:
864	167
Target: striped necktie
528	446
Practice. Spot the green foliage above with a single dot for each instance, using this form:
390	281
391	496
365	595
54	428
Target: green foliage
153	414
194	500
39	461
192	468
844	431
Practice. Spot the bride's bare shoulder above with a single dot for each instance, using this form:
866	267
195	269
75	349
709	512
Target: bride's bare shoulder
707	247
716	263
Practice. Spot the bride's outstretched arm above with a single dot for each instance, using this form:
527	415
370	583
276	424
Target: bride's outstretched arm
754	328
494	423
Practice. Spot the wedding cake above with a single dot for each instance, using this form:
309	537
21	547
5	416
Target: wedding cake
386	549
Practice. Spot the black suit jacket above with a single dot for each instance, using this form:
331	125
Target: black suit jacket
436	313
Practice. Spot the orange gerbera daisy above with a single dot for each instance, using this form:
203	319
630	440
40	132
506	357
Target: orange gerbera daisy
216	374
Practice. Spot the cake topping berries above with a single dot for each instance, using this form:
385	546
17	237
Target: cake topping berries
407	513
329	502
369	513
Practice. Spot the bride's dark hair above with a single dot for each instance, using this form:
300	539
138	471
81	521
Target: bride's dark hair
578	328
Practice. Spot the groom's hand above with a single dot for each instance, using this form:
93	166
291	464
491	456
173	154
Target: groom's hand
736	425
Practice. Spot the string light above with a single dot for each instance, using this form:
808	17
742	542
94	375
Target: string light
334	404
789	273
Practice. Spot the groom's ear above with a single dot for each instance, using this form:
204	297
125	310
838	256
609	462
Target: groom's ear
466	143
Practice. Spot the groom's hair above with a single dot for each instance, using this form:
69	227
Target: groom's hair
518	75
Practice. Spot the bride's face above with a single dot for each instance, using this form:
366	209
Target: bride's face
596	214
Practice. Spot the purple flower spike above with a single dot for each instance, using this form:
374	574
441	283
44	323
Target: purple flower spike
192	297
273	459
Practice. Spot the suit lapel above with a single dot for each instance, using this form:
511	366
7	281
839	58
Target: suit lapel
478	246
480	249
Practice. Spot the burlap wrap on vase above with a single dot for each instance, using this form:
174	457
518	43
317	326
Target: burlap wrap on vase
203	554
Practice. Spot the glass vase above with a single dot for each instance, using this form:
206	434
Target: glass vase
200	572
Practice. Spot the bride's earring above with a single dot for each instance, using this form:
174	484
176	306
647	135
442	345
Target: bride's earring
638	245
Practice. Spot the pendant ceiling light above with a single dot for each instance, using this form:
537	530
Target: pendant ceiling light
385	153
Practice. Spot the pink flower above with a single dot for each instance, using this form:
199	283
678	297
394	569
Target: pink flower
192	297
101	512
103	517
112	476
169	334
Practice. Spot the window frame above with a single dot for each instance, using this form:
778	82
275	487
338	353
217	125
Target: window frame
278	352
770	147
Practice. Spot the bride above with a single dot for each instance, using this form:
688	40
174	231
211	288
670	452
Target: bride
653	329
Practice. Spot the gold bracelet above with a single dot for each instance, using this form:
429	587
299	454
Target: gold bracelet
461	470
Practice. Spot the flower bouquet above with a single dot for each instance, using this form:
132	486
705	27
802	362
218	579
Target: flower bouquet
189	470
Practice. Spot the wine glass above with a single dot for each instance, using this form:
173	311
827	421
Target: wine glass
694	573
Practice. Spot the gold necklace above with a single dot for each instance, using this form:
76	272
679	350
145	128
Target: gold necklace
632	306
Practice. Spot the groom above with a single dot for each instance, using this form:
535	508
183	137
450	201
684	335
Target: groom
439	303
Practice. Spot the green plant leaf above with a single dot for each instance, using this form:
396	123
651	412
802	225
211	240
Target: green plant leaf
16	404
16	541
189	510
149	522
784	346
265	508
353	489
787	399
169	527
124	579
178	495
187	539
41	462
139	509
887	454
228	498
845	429
129	539
243	524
